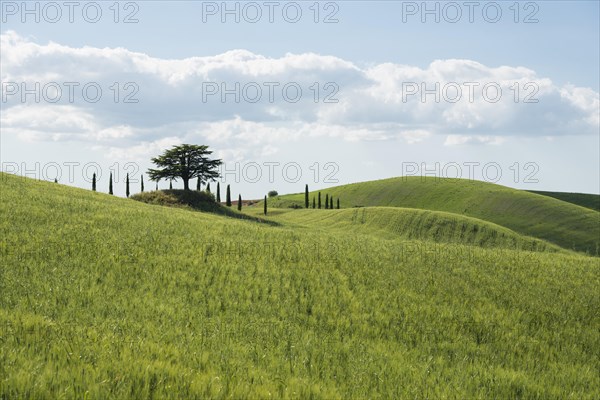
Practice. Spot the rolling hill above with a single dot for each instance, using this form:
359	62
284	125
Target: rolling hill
591	201
410	224
564	224
105	297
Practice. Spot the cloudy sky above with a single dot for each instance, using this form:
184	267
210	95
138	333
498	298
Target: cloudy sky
288	93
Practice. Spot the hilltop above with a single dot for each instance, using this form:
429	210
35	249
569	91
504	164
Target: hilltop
591	201
567	225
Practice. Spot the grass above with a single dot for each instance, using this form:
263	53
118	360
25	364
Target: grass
192	200
410	224
591	201
564	224
103	297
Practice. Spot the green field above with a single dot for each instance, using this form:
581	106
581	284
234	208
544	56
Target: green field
564	224
105	297
410	224
591	201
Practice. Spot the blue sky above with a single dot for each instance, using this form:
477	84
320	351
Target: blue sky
371	58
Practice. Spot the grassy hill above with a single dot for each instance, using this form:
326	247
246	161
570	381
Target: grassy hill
194	201
104	297
411	224
591	201
567	225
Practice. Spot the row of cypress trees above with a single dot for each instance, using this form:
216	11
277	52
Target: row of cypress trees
315	204
239	203
127	191
110	184
228	198
328	200
228	202
329	204
218	197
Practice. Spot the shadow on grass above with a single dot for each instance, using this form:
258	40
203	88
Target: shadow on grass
195	201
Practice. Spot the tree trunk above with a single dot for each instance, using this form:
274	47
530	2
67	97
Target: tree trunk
186	184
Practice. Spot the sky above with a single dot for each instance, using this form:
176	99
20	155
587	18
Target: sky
293	93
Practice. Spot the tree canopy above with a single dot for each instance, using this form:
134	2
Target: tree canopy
185	162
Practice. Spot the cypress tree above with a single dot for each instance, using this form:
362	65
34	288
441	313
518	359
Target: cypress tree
240	202
338	203
265	206
110	191
319	202
228	197
331	203
94	182
127	185
306	196
313	202
157	185
326	201
55	180
142	184
218	192
208	187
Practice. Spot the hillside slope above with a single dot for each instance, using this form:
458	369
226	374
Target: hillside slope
410	224
591	201
567	225
105	297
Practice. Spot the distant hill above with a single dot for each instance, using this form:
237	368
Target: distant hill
567	225
412	224
591	201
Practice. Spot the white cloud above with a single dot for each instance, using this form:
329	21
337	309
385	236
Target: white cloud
586	100
139	152
373	103
415	135
456	140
